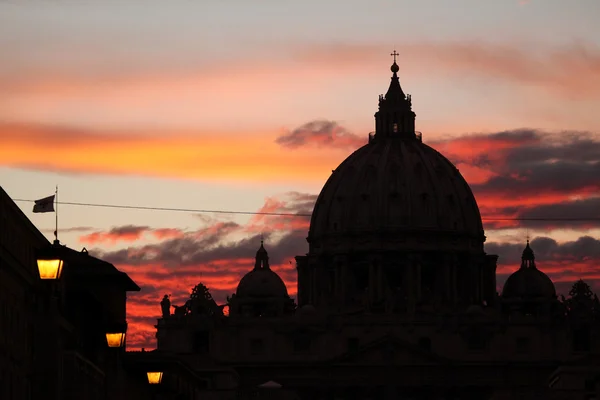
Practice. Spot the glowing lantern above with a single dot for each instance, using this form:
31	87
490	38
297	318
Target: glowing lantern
154	378
50	264
115	339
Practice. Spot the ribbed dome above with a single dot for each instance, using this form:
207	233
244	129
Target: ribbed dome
261	283
396	192
528	282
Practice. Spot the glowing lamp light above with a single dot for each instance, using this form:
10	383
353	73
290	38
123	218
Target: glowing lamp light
154	378
50	268
115	339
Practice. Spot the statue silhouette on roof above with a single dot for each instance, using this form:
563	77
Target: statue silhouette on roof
165	306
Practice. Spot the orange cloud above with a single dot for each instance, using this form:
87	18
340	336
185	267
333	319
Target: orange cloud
128	233
572	70
247	156
296	207
167	233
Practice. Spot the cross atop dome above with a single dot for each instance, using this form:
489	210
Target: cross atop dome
395	68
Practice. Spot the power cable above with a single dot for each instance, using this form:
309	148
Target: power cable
200	211
174	209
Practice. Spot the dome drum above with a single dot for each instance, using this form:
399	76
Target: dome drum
396	240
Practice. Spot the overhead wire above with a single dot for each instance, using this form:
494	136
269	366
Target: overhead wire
205	211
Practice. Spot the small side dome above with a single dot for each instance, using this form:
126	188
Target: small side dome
307	309
475	309
261	282
528	282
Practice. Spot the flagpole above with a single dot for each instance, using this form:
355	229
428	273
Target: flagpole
56	215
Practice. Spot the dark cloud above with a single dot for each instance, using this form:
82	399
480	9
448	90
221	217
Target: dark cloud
583	213
128	233
556	176
532	174
128	229
563	262
75	229
527	161
548	249
320	133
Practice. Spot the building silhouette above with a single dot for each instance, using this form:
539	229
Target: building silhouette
54	333
397	298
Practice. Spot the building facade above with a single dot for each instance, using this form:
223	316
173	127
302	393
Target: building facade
53	332
19	240
396	297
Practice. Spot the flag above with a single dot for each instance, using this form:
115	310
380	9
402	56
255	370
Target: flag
44	205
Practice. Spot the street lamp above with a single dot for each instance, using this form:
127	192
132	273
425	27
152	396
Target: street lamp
50	264
115	339
115	335
155	378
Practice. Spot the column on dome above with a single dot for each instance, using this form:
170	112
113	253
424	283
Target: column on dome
455	284
312	296
489	281
477	270
409	284
415	268
379	281
341	266
303	280
372	288
450	266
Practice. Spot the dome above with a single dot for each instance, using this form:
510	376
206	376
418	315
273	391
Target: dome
307	309
528	282
261	281
475	309
396	192
396	189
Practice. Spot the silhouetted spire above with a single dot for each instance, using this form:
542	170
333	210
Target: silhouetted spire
262	257
395	116
395	93
528	258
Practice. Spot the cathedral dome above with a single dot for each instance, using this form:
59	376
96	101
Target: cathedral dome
397	188
396	192
261	281
528	282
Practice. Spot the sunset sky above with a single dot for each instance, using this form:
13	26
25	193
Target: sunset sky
248	106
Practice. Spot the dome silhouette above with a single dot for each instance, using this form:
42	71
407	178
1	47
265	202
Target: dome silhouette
392	189
528	282
261	281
